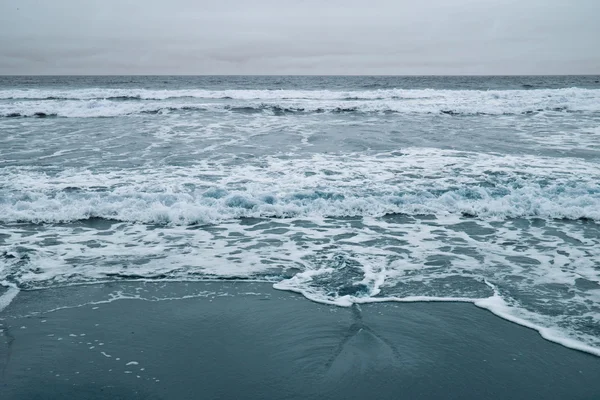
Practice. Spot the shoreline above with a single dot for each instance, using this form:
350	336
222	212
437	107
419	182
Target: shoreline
249	340
493	304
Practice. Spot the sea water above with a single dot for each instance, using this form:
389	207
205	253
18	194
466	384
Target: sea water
345	189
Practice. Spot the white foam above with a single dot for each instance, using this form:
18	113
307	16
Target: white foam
8	296
97	102
419	181
79	108
389	256
499	307
495	304
316	295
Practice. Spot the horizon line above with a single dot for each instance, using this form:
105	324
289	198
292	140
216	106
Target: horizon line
297	75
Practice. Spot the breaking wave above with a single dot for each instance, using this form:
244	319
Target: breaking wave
414	182
382	94
82	103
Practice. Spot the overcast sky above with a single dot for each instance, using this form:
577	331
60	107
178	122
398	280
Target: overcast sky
394	37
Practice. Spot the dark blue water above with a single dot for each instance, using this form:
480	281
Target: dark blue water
346	189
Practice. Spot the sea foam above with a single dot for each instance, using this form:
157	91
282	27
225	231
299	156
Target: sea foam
414	182
90	103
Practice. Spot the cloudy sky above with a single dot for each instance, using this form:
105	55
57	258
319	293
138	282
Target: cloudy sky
300	37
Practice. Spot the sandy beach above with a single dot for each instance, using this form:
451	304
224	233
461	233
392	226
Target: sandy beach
249	341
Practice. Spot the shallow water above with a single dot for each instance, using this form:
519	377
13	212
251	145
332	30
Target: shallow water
345	189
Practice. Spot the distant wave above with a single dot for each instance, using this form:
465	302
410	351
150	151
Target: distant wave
37	114
382	94
470	105
274	110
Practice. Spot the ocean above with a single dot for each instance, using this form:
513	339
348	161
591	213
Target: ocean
346	189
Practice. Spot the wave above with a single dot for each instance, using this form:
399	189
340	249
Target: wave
200	208
495	303
266	109
91	109
36	114
480	104
382	94
415	182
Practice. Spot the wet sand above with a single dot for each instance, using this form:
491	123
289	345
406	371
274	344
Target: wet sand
248	341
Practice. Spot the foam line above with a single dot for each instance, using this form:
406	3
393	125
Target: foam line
497	306
494	304
8	296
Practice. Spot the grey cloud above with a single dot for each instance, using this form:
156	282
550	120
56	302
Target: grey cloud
299	37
